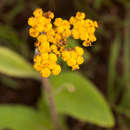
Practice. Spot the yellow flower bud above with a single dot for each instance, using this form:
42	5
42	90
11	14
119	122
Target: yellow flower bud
37	58
79	50
80	15
65	55
51	15
45	72
96	24
37	67
33	32
44	56
52	57
72	20
75	67
86	44
75	34
38	12
80	60
71	62
32	21
66	33
44	47
56	70
42	38
58	21
73	54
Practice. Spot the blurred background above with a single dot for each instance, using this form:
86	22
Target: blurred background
107	62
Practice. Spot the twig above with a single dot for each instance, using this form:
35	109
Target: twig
53	112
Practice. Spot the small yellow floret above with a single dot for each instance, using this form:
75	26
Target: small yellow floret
58	21
52	57
42	38
37	67
65	55
45	72
72	20
44	56
37	58
75	67
56	70
87	44
38	12
96	24
80	60
75	34
32	21
71	62
79	50
44	47
51	15
33	32
80	15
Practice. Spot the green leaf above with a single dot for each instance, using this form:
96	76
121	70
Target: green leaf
82	100
112	73
125	100
124	106
22	118
13	64
7	81
127	52
12	40
43	107
15	11
8	33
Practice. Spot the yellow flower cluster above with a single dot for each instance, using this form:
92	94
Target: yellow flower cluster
46	63
73	57
83	29
52	40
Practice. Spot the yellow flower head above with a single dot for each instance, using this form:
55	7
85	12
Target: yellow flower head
83	29
38	12
52	40
56	70
45	72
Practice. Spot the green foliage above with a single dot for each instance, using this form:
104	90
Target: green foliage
98	3
124	106
72	42
14	65
16	10
22	118
10	36
112	69
44	109
82	100
127	53
7	81
7	33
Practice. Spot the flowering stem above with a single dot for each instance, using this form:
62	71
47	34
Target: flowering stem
54	116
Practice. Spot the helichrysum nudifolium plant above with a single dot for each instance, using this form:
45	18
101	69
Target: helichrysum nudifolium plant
52	38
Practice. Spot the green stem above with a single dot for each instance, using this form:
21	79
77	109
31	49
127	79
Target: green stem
52	105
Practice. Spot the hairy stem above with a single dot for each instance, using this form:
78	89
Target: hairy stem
52	106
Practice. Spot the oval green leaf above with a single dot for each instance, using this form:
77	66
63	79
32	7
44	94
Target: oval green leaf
22	118
14	65
84	102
